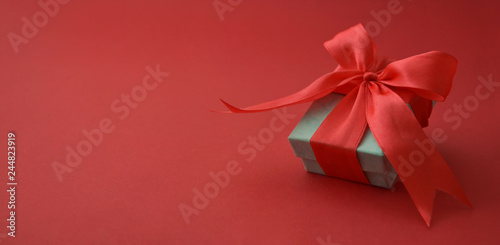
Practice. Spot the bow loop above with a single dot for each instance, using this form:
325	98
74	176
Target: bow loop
353	49
427	75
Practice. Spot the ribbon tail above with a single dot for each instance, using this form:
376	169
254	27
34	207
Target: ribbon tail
412	154
316	90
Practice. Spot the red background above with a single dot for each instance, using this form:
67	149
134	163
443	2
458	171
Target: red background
127	191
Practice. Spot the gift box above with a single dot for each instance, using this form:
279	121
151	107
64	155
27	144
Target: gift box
375	165
377	169
365	122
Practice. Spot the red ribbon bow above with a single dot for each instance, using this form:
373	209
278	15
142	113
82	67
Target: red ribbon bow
377	91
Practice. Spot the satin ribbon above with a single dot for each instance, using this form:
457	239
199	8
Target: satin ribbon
377	90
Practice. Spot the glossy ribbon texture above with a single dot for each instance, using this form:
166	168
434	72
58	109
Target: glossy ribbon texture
377	92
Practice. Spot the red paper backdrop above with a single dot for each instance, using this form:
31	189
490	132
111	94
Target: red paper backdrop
85	55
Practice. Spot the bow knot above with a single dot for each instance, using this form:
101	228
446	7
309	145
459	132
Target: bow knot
370	77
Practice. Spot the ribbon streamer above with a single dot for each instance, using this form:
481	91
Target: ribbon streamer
377	90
